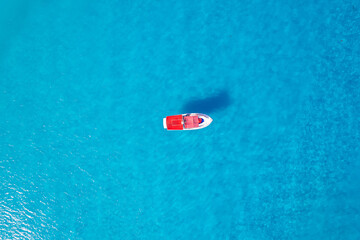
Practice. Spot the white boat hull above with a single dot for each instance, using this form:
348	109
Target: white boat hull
206	122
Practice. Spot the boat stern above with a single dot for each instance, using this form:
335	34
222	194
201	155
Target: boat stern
164	123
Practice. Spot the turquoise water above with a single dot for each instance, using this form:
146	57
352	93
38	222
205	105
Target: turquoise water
84	86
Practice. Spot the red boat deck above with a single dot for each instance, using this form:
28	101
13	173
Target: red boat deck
174	122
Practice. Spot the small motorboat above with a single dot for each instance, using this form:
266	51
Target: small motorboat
187	121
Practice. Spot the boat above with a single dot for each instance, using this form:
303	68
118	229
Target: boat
187	121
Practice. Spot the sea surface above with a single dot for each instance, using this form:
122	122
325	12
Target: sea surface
84	86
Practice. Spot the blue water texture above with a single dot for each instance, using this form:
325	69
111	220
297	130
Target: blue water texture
84	86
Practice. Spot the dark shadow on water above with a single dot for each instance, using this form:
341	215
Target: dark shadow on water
208	105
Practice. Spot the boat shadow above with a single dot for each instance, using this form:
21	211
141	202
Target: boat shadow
208	105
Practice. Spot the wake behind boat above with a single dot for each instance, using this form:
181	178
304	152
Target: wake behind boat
187	121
